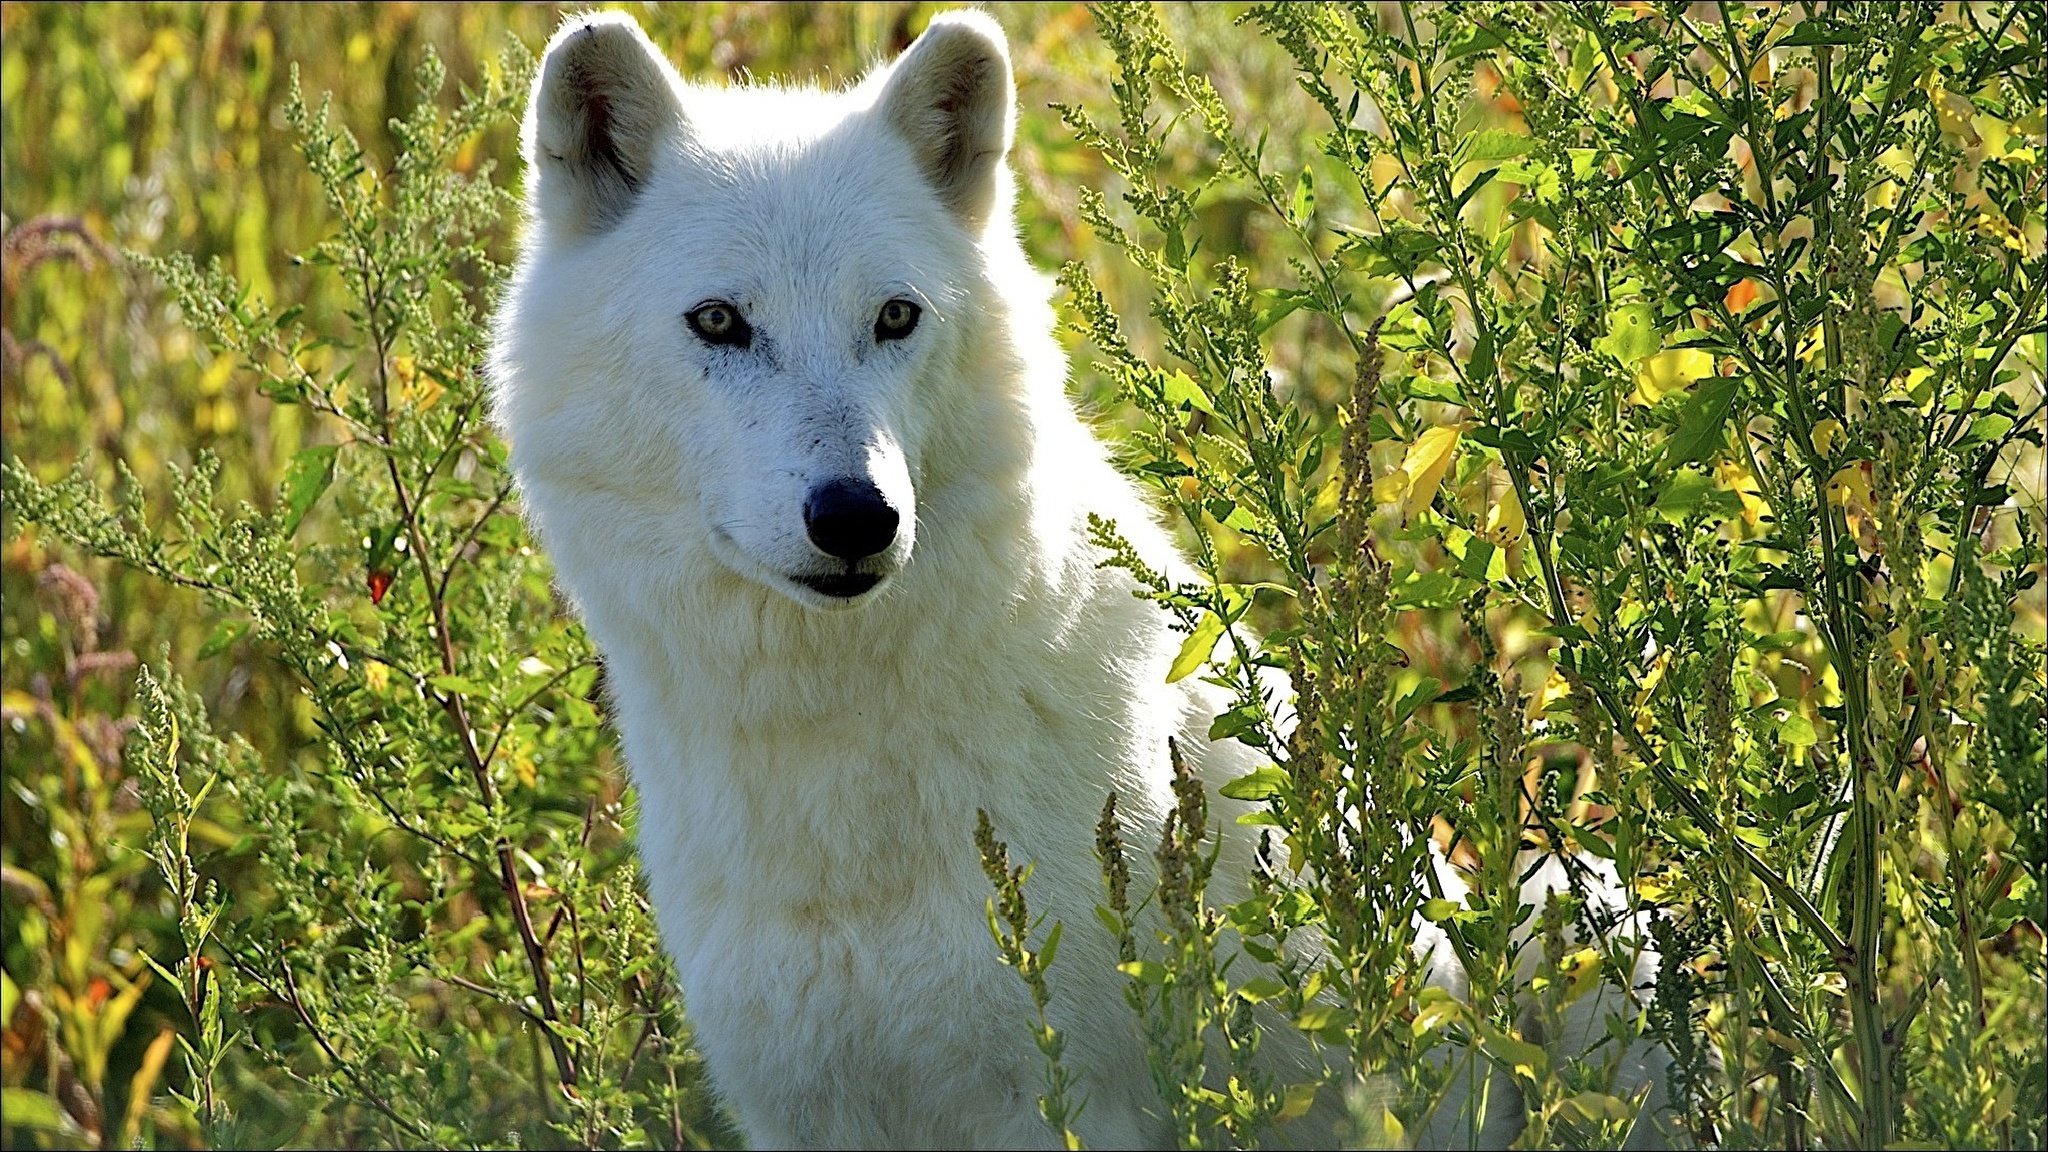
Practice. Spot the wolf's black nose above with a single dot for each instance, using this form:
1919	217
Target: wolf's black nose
849	518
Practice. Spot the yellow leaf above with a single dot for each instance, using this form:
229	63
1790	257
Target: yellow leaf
1598	1107
1194	651
1299	1098
1825	435
1668	372
1645	722
1955	113
1582	970
1390	488
1851	486
143	1086
1736	478
1505	522
1436	1015
1509	1050
1998	228
1554	689
1427	461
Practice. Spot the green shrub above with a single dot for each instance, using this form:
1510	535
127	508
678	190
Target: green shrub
1679	514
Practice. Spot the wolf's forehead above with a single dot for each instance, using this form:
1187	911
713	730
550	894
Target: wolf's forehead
786	148
847	202
743	118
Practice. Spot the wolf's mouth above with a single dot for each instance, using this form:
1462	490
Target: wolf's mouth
844	585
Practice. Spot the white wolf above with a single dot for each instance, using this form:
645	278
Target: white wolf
787	409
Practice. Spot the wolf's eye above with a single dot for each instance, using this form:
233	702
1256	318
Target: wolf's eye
720	323
896	320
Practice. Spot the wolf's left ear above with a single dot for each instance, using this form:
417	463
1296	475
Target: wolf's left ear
604	101
951	98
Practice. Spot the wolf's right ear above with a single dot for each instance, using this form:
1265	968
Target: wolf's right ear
604	101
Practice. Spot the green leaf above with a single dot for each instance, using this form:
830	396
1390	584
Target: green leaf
1542	180
1600	1108
224	634
1237	722
1429	388
1194	651
1631	334
311	471
1593	842
1438	589
1182	392
1812	33
1260	988
1467	40
1524	1058
462	684
1144	971
1051	947
1691	492
1477	559
1303	207
1296	1101
1438	910
1321	1017
1506	439
1108	920
1484	178
1435	1012
1262	784
37	1111
1493	146
1797	729
1280	303
1424	692
1699	426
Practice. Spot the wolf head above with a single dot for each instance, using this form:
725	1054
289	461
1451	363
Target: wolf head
743	316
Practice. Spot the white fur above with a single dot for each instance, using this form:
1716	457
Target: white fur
809	768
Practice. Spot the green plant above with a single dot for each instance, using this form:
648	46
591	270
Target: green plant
1707	393
444	949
